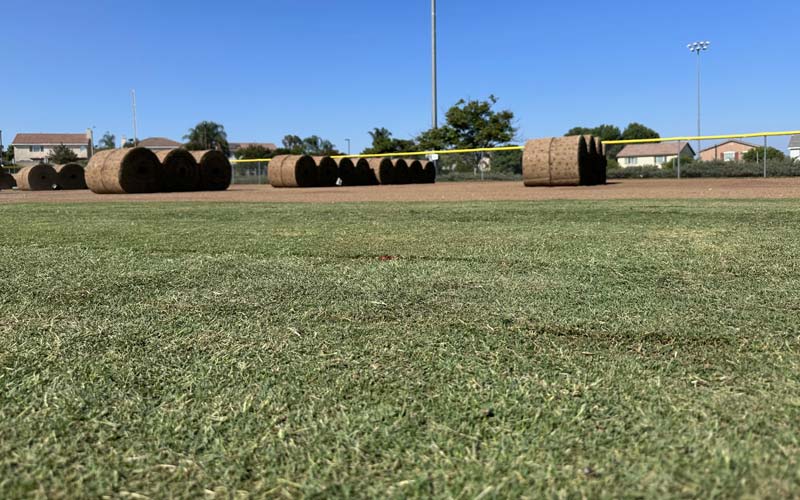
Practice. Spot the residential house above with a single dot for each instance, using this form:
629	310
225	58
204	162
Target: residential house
732	150
654	154
236	146
159	144
35	148
794	147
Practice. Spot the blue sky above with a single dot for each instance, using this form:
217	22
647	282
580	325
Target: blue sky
265	69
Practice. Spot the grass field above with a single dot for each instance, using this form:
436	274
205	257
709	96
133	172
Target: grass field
616	348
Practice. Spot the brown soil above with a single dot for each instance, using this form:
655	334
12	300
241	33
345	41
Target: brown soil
450	192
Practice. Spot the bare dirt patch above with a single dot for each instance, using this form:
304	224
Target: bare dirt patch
745	188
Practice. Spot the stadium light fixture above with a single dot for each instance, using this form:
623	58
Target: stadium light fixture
697	48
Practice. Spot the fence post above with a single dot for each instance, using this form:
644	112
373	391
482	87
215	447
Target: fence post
679	159
765	156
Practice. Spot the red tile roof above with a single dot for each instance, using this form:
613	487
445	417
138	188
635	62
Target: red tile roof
737	141
159	142
55	139
653	149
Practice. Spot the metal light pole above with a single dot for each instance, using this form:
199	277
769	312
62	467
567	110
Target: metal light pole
698	47
133	107
348	145
434	117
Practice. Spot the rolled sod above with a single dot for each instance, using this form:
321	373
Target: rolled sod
327	171
180	171
536	162
382	171
415	173
215	170
292	171
364	175
70	176
347	171
7	181
127	170
402	174
428	172
39	177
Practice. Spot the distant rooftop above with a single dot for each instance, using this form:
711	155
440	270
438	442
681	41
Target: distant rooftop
795	142
50	139
159	142
653	149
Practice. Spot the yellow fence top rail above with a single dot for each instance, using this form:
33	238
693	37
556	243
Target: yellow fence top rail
704	137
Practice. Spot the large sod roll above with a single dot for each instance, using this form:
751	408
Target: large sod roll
364	176
382	171
7	181
215	170
428	172
414	171
402	174
536	162
39	177
292	171
568	159
591	167
180	171
347	171
70	176
327	171
120	171
602	174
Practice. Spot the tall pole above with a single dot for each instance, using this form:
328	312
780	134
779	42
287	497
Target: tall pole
133	106
434	117
698	102
765	156
348	145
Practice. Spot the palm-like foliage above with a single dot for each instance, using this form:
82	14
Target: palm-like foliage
207	135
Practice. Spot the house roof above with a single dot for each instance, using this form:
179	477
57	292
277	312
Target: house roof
653	149
236	145
159	142
737	141
49	139
794	142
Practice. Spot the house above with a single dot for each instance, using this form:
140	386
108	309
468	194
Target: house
159	144
653	154
235	146
732	150
794	147
35	148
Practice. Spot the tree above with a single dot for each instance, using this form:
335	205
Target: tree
638	131
758	154
8	155
313	145
293	144
474	124
207	135
108	141
130	143
254	152
62	154
383	142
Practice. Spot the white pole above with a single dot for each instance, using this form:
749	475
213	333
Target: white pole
435	119
133	105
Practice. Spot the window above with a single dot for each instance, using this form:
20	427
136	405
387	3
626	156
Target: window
37	149
83	149
660	160
630	161
729	155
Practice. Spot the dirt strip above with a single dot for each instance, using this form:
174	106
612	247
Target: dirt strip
745	188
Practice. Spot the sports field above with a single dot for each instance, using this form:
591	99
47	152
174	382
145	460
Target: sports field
597	348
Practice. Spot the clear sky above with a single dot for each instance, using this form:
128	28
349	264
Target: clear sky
265	69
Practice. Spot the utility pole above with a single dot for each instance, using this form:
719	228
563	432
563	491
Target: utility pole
133	106
434	117
698	47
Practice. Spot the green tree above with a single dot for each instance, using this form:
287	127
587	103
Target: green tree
317	146
383	142
254	152
61	154
435	139
108	141
636	130
474	124
7	156
207	135
293	144
758	154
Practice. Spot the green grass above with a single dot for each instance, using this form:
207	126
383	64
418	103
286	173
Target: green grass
557	349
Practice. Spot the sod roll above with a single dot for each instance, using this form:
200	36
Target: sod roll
39	177
7	181
568	158
347	171
127	170
602	174
415	174
180	171
327	171
364	175
292	171
402	174
382	171
428	172
536	162
215	170
70	176
590	168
